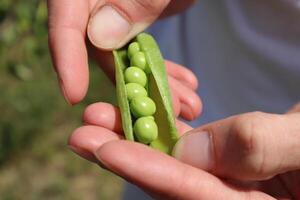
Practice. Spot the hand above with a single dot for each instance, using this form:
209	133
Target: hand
256	154
258	151
109	25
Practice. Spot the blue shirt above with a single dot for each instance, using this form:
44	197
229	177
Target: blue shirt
246	55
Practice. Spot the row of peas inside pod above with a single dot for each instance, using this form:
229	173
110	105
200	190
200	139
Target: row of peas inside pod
141	106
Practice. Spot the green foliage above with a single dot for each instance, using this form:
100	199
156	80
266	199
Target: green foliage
30	100
21	98
33	111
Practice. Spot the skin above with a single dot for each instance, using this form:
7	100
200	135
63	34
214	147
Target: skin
99	140
70	22
102	144
69	26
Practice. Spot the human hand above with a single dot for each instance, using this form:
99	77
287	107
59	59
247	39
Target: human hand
254	151
109	25
255	154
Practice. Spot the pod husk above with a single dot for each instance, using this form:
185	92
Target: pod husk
158	91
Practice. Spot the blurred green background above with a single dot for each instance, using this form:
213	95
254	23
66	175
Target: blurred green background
35	122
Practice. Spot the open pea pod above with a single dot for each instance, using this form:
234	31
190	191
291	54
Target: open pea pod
157	89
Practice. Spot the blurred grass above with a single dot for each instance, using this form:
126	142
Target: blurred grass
35	121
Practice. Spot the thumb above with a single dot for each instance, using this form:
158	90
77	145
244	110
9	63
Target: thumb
294	109
113	23
253	146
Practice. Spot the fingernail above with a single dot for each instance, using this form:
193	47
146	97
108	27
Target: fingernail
196	149
83	153
87	155
65	95
188	111
63	90
108	28
101	162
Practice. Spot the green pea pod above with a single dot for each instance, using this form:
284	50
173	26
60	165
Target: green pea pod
158	91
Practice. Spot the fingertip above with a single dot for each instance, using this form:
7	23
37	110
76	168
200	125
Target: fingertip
74	96
105	115
196	105
112	148
69	57
64	92
190	102
86	140
121	156
192	108
74	84
176	103
79	146
182	74
182	127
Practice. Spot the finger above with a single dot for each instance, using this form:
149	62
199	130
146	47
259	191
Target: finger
104	115
105	60
182	74
113	23
253	146
295	108
108	116
291	181
85	140
190	103
176	103
67	24
175	7
163	176
182	127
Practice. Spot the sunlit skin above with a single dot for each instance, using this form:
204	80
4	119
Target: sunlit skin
101	139
68	30
102	142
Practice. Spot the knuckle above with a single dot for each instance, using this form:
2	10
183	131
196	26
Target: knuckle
247	127
152	6
249	133
295	108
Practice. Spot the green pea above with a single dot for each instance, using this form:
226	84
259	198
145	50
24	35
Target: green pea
135	75
142	107
139	60
133	48
145	130
135	90
150	117
157	89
